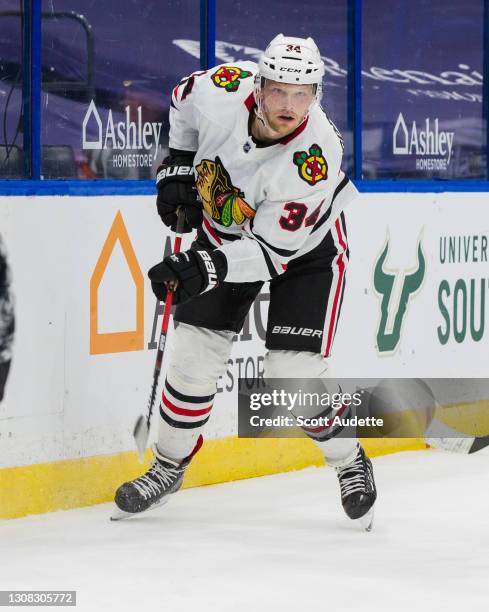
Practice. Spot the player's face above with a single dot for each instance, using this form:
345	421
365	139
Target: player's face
285	105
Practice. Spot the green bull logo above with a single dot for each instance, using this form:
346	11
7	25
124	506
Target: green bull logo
387	341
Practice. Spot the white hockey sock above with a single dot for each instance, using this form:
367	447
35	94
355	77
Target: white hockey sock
338	452
182	418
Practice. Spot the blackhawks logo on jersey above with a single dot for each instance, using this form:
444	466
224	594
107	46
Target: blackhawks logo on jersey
312	166
223	201
228	77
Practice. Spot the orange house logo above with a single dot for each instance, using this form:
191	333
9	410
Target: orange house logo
122	341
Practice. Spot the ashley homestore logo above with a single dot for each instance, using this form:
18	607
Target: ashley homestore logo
124	136
408	283
432	146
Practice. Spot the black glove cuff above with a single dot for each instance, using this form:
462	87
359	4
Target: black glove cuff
180	156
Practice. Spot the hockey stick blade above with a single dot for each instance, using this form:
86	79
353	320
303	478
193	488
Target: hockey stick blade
141	436
464	446
479	444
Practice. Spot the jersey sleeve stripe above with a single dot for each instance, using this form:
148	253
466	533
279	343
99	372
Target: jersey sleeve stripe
327	214
268	260
226	236
281	252
322	220
340	187
217	235
209	230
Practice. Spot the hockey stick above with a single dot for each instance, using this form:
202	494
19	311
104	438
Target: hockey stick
464	446
143	423
389	395
443	437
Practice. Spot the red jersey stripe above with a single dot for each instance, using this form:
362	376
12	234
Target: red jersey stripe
212	231
341	269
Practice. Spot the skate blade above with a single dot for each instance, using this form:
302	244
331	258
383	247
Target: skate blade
367	520
122	515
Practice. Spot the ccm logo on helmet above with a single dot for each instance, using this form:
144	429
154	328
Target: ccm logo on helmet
297	331
211	269
289	70
174	171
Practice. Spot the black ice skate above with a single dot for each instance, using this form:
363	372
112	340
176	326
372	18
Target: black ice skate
153	489
358	492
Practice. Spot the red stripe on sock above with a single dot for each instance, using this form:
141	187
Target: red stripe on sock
185	411
340	413
316	429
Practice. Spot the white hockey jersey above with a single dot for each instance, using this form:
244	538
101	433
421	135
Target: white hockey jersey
263	205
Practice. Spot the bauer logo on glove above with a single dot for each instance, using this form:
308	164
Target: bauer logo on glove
167	171
175	181
188	274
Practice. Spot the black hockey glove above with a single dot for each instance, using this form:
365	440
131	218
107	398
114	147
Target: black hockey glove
196	271
175	182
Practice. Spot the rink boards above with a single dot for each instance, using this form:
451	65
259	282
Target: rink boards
416	304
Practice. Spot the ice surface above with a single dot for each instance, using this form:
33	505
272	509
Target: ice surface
278	543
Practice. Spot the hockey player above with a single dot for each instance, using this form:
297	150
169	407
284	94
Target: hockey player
6	319
267	169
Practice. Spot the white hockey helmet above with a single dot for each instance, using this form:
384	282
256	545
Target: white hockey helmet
292	60
288	59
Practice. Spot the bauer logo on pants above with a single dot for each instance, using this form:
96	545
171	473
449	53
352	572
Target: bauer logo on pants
297	331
